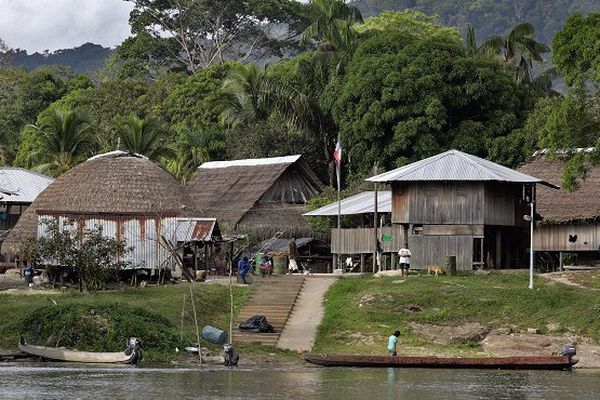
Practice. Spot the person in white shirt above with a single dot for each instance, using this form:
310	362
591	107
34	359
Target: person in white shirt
405	255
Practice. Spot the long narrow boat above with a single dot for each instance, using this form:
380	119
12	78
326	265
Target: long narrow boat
132	355
529	362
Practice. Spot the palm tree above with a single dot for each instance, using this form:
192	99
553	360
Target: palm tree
247	95
517	51
331	24
64	141
144	136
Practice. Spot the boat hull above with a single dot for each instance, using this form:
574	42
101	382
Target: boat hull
529	362
63	354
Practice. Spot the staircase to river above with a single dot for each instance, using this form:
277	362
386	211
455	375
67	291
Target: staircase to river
273	297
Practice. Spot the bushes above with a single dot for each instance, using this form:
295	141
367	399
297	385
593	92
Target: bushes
101	327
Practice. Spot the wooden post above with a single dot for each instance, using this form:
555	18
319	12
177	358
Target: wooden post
335	261
195	256
561	266
451	265
362	263
393	259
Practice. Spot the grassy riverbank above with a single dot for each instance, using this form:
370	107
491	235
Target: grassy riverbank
159	309
360	313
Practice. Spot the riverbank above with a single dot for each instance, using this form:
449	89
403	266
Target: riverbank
162	307
492	314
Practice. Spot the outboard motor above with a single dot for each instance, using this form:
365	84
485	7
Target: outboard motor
568	350
230	356
134	345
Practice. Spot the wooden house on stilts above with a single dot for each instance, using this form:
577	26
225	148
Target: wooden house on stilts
451	204
570	219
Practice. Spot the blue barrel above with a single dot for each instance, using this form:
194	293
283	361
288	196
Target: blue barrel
214	335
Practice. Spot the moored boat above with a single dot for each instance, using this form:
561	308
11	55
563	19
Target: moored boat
131	355
526	362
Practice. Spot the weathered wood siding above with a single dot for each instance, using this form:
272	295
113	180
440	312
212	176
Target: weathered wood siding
556	237
361	240
462	203
438	203
502	204
428	250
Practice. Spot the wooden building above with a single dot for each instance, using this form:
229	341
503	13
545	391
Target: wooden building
456	204
263	195
570	219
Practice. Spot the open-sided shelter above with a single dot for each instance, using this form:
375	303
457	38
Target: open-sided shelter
265	194
457	204
130	197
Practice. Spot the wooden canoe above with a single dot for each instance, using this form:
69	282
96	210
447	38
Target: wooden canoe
529	362
64	354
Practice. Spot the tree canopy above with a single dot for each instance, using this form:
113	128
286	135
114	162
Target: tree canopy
404	98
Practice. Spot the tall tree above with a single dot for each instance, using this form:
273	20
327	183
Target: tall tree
404	98
517	50
144	136
331	23
63	140
577	49
207	32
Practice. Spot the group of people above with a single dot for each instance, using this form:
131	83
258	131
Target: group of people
265	267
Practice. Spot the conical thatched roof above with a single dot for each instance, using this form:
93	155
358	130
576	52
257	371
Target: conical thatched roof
111	183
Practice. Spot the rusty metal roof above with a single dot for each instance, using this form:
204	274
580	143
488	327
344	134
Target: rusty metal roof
362	203
196	229
454	165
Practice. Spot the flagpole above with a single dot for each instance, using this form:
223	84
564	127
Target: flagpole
339	199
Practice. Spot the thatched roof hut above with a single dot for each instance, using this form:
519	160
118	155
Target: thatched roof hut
255	193
116	188
562	206
571	220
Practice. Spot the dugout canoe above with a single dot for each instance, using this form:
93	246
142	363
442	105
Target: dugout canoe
132	355
529	362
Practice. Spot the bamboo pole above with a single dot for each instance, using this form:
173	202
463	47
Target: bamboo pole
196	322
182	318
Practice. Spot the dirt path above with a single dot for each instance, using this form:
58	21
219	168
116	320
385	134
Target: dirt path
301	328
563	277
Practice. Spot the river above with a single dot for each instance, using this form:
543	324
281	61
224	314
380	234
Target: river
71	381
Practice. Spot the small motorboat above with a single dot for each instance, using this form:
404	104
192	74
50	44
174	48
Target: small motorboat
563	362
131	355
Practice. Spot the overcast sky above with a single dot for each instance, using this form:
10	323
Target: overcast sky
37	25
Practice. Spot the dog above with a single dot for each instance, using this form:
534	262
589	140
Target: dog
436	270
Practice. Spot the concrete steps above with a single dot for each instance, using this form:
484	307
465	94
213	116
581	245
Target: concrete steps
274	298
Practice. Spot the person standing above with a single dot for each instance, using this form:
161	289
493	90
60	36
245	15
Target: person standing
405	255
293	255
393	343
243	268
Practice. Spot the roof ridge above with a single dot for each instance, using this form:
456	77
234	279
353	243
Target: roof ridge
422	164
475	163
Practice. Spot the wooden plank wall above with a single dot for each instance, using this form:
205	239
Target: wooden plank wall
502	204
438	203
360	240
556	237
428	250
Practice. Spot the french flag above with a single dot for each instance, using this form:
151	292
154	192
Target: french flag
337	153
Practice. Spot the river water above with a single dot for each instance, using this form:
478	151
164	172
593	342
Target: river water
71	381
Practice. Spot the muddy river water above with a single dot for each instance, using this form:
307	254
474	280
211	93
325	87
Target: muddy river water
72	381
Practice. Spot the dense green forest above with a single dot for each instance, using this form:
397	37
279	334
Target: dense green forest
397	87
491	17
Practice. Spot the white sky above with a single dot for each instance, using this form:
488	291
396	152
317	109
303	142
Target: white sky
37	25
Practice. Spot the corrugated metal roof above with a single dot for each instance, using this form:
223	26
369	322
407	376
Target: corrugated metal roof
454	165
362	203
195	229
23	185
250	162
